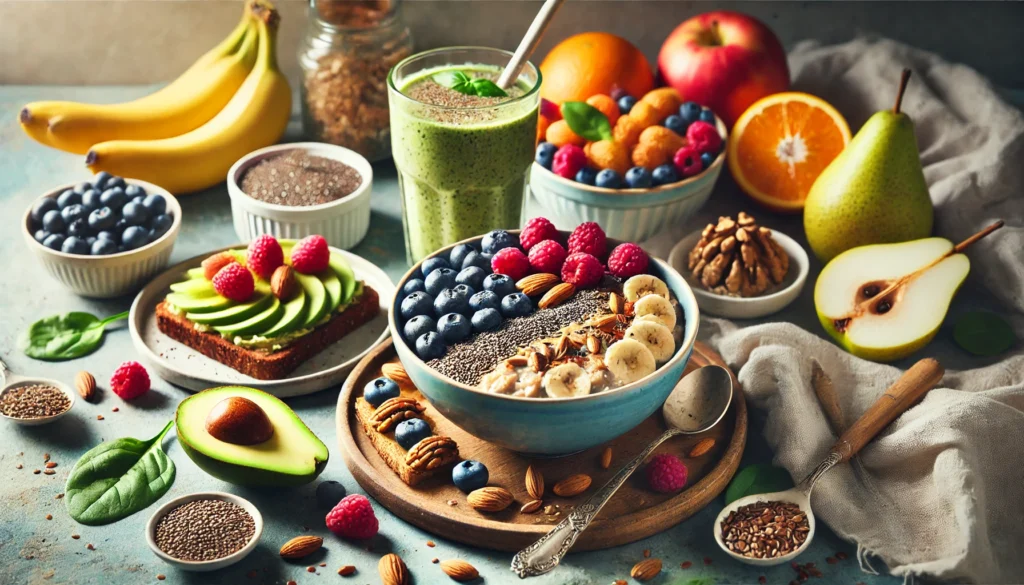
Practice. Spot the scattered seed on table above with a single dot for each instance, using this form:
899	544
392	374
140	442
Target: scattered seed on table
841	556
33	401
51	464
37	471
115	409
59	497
49	516
204	530
46	457
435	560
431	543
346	570
48	472
831	560
686	565
707	560
762	579
160	577
99	417
323	564
90	546
19	466
291	583
814	572
647	553
75	536
311	569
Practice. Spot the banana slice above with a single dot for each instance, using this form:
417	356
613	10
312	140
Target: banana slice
567	380
642	285
656	307
655	336
629	360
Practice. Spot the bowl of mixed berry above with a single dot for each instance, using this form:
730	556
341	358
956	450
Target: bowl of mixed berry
634	165
544	341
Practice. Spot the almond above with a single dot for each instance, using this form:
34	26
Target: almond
606	458
393	570
646	569
518	361
301	546
396	373
531	507
490	499
459	570
604	322
560	293
85	383
213	264
347	570
616	303
283	283
534	483
536	284
538	363
702	447
593	345
573	485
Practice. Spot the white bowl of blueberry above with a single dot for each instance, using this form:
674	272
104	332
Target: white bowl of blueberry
105	237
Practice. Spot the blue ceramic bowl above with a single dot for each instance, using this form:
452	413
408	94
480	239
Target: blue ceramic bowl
551	426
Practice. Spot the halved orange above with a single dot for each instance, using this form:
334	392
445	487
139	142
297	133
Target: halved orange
781	144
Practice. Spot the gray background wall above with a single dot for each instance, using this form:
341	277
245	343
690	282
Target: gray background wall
75	42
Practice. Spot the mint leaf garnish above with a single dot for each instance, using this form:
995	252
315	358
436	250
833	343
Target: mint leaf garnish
487	88
462	83
587	121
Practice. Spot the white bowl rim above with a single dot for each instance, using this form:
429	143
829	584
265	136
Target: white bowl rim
162	511
332	151
683	351
172	201
13	381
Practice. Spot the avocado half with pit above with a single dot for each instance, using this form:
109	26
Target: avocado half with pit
247	437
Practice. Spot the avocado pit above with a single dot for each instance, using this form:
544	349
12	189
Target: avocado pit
239	421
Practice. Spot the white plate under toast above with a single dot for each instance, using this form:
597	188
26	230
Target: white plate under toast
186	367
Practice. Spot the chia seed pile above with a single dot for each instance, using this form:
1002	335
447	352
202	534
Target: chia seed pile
430	92
298	179
204	530
34	401
468	361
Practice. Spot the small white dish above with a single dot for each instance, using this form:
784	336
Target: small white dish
739	307
343	222
11	381
790	496
202	566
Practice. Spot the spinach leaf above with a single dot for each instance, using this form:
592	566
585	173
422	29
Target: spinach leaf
587	121
65	337
118	478
487	88
757	479
983	333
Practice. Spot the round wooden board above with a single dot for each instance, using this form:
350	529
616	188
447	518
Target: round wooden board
635	512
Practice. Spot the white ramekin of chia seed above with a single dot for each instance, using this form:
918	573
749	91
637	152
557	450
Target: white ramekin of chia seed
204	531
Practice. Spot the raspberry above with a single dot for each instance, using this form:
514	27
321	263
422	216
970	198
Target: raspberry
568	161
588	237
535	231
353	517
234	282
550	110
129	380
687	161
311	255
666	473
704	137
627	260
213	264
511	262
547	256
582	270
265	255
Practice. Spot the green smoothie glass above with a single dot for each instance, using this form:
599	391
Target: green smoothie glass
463	162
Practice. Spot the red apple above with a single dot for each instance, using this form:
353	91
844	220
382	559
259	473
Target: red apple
725	61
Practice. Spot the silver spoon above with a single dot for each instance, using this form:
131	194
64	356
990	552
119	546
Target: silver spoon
697	403
11	381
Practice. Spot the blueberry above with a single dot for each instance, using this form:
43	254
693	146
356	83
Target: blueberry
113	198
497	240
329	493
134	237
91	199
545	154
413	285
116	182
155	203
676	124
53	222
586	175
42	207
75	245
40	235
499	284
79	228
412	431
459	253
626	104
68	197
470	475
417	326
689	112
82	187
464	290
450	301
121	225
73	212
516	305
453	328
638	178
135	214
107	235
429	346
136	200
664	174
472	277
54	241
100	180
160	224
708	116
378	390
102	247
608	179
102	218
477	259
90	240
431	264
418	303
486	319
484	299
439	280
706	160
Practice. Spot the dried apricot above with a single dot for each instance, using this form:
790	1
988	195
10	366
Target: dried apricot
559	134
665	100
606	106
542	128
645	114
608	154
651	155
627	131
663	136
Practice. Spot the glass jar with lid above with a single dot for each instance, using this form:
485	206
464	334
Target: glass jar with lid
348	50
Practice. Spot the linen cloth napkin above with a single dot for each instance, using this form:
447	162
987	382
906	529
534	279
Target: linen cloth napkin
940	493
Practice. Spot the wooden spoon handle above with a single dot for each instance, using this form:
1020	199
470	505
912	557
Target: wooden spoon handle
912	385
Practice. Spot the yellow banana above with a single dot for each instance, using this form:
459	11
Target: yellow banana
255	117
185	104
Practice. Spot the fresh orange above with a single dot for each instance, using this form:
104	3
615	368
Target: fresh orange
781	144
591	63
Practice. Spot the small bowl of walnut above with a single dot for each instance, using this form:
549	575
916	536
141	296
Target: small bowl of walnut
739	269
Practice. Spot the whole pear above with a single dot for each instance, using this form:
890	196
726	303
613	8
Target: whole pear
874	192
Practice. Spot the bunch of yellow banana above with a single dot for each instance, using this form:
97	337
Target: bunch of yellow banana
186	136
